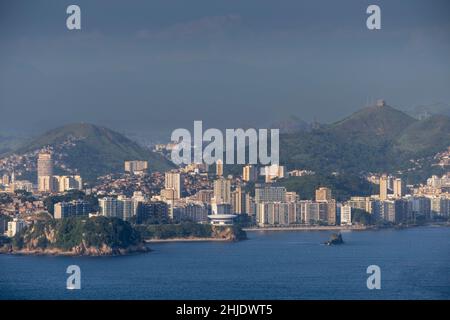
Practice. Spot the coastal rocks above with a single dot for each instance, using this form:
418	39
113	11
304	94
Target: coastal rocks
106	250
98	236
80	250
230	233
335	239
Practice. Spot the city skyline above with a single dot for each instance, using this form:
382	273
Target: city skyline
224	150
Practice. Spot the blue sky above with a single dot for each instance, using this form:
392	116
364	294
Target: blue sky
152	66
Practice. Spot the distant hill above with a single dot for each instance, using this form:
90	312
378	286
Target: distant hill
291	124
374	139
3	146
373	122
9	143
429	135
425	111
94	150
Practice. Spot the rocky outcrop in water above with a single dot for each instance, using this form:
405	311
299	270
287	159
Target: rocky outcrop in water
97	236
335	238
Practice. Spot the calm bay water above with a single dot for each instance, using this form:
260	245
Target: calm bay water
415	264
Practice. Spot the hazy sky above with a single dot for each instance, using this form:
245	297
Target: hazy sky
151	66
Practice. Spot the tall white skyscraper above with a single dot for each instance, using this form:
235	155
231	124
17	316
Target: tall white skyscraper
45	172
346	215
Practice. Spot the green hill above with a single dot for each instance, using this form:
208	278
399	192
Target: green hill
373	122
9	143
96	236
94	150
290	124
426	136
374	139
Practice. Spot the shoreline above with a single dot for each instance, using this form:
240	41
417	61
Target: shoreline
62	253
188	240
310	228
342	228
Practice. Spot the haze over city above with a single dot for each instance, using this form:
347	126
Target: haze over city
154	66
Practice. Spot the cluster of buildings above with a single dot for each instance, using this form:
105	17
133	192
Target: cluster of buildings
194	193
275	206
75	208
226	198
136	166
10	184
47	182
394	204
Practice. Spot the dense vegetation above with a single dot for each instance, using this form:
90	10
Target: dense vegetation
23	195
373	139
182	230
65	234
342	186
189	230
5	198
97	150
9	143
362	217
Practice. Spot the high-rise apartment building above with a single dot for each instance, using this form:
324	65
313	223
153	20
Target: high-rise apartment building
191	212
309	211
169	194
383	187
110	207
153	212
5	180
398	188
346	215
331	212
220	208
250	206
15	226
238	201
173	181
278	213
292	197
222	191
45	172
249	173
440	206
269	193
47	184
205	196
323	194
75	208
45	164
219	168
65	183
136	166
127	207
273	172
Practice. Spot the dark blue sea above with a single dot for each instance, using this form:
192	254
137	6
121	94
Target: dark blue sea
415	264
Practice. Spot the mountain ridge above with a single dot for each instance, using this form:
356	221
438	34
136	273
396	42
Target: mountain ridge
94	150
374	139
